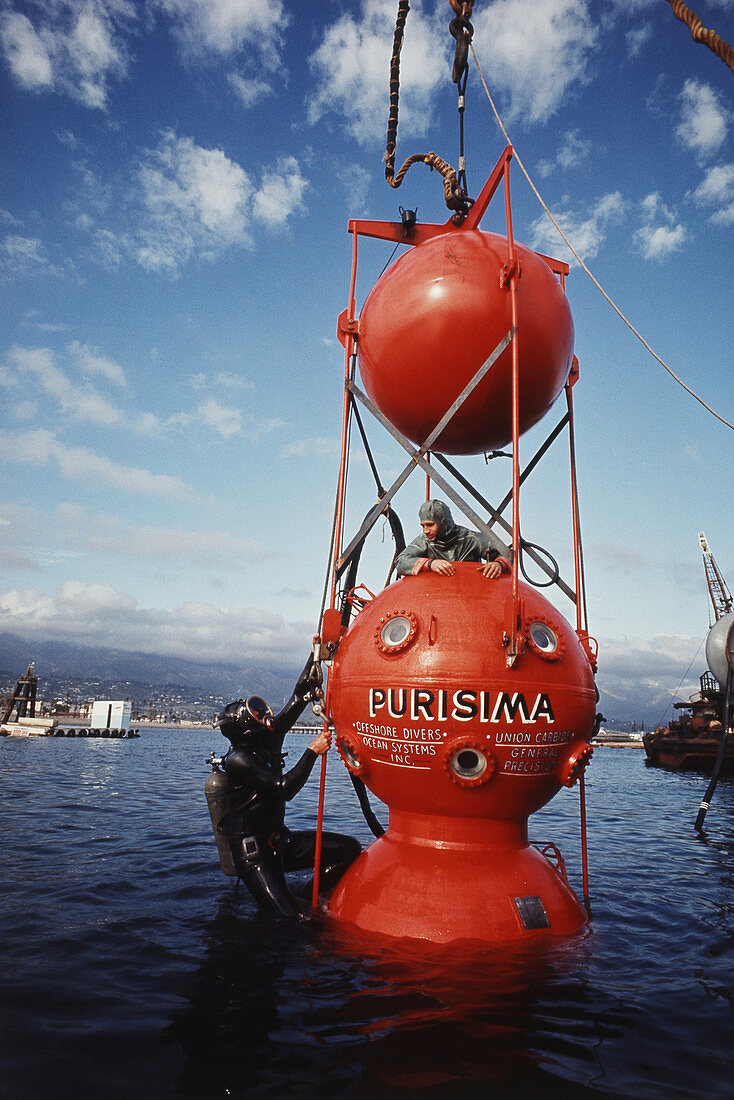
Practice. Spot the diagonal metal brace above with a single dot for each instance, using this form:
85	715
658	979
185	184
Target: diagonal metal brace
496	513
418	456
417	459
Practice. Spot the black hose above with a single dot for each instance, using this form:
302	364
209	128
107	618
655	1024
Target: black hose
346	611
543	552
369	816
352	562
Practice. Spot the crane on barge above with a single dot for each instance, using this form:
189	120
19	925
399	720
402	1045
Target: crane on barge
698	739
720	658
721	597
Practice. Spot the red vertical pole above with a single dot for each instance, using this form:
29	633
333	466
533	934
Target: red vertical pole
584	851
338	523
319	827
511	278
581	625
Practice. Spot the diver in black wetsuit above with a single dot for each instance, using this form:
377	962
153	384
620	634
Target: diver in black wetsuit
262	847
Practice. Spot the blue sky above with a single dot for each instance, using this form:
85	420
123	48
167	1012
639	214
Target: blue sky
177	177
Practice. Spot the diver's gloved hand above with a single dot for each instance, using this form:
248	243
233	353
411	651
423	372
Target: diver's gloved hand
308	684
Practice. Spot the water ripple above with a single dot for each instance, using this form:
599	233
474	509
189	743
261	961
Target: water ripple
131	967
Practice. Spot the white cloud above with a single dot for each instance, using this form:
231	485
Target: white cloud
355	182
280	194
717	189
83	402
224	419
31	448
98	614
109	249
21	255
19	526
81	464
78	464
91	362
641	677
315	445
25	51
352	66
258	427
662	234
585	229
179	202
111	536
659	241
638	38
194	198
233	381
197	202
227	27
704	119
572	153
86	405
535	51
75	47
249	90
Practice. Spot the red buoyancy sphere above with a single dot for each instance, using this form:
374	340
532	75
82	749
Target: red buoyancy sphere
435	316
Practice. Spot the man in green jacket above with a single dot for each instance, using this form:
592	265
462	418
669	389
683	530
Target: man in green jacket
443	542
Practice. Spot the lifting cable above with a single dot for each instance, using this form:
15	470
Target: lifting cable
702	34
573	251
454	193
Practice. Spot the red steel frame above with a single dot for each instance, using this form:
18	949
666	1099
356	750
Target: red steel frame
348	334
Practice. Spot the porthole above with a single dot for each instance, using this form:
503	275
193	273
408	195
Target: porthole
575	764
544	640
396	631
543	637
468	763
352	754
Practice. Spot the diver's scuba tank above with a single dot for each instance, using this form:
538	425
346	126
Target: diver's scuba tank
219	801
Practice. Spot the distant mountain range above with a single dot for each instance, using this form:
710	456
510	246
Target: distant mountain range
134	674
84	672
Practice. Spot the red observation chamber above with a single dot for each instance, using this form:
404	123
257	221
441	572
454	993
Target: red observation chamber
462	749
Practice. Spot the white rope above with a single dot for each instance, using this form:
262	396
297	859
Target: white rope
573	251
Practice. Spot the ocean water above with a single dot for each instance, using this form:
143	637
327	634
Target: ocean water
131	967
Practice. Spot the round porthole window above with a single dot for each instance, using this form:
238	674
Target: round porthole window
544	637
467	762
349	754
352	754
545	641
396	631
